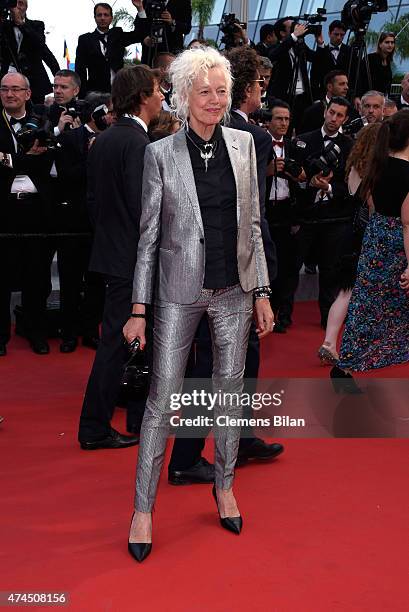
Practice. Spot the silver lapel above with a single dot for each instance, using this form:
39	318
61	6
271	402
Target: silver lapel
233	150
184	165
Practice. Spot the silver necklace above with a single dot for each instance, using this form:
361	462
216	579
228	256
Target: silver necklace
207	153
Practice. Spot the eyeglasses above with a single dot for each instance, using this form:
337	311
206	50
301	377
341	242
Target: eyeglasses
259	81
4	89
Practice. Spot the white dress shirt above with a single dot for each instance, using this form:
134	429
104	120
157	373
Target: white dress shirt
22	183
283	190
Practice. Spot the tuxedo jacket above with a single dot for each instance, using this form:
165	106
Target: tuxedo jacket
310	146
114	187
37	168
71	163
181	11
276	212
313	118
33	51
283	73
262	143
172	244
93	67
322	63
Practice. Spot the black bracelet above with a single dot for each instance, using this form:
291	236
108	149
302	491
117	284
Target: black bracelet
137	315
262	292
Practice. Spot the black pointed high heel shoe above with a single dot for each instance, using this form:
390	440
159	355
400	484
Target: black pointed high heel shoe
139	550
343	382
231	523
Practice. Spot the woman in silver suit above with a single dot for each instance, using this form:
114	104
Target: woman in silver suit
200	251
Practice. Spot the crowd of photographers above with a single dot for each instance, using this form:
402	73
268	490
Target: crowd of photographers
310	103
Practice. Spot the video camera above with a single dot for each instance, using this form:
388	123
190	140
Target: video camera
313	21
37	127
328	160
357	14
230	26
156	8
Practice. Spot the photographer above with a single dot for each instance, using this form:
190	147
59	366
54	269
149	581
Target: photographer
334	56
23	49
72	219
324	208
23	250
168	20
290	81
66	89
234	32
280	212
162	63
100	54
268	39
336	84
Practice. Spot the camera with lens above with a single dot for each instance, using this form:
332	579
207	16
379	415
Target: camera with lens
230	26
261	116
356	14
37	127
353	127
77	109
312	21
292	167
328	160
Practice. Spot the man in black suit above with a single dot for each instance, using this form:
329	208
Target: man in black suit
73	249
268	39
325	210
114	200
176	21
281	216
23	49
100	54
23	175
336	84
334	56
187	466
290	80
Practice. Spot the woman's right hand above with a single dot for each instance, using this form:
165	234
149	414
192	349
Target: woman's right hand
135	328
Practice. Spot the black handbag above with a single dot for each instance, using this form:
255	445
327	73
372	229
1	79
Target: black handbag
136	375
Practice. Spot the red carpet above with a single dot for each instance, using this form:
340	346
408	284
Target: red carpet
325	526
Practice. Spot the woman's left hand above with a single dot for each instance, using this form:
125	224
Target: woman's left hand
404	280
264	317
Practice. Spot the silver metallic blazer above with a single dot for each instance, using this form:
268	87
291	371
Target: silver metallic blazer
171	249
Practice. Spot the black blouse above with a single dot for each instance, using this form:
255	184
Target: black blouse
392	188
216	192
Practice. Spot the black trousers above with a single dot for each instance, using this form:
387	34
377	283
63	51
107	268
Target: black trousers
73	253
24	265
187	451
103	384
328	239
285	284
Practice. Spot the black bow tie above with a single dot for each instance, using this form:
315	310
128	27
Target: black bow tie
330	138
334	48
13	120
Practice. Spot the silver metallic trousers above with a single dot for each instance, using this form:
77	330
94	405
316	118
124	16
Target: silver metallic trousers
230	314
